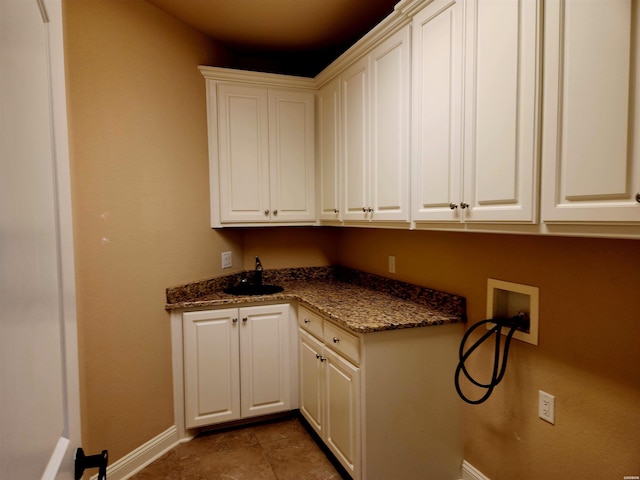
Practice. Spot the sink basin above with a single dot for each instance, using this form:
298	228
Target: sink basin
248	289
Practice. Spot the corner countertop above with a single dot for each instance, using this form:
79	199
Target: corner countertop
359	301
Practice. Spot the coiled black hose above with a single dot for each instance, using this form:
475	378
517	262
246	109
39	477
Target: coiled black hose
521	320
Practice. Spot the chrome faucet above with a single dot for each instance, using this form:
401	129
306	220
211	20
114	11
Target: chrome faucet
257	276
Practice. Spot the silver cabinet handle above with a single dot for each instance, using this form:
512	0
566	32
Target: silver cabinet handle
453	206
320	357
464	205
336	339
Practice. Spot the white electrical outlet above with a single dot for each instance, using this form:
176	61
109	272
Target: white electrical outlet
392	264
226	260
546	407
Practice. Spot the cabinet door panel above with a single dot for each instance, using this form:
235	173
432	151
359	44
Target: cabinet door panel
342	420
311	390
389	163
292	155
501	110
590	157
437	120
355	140
243	153
211	353
328	150
264	364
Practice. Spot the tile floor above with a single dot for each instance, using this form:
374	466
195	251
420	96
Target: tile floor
274	450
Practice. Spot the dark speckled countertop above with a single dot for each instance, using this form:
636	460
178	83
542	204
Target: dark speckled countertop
359	301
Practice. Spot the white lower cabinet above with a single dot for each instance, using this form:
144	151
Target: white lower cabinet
329	399
383	402
236	363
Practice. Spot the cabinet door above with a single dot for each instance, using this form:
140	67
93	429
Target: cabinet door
390	110
243	149
355	138
591	155
264	363
501	110
329	150
310	371
292	156
342	407
211	367
437	112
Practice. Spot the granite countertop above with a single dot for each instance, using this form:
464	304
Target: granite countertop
359	301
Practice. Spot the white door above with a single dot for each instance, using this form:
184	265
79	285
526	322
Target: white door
329	151
264	362
591	137
342	410
292	156
390	110
39	414
243	141
355	141
502	84
311	391
437	112
211	367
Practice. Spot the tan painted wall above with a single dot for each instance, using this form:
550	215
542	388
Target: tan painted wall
291	247
587	355
137	121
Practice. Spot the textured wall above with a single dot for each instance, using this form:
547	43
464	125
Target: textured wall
587	354
137	122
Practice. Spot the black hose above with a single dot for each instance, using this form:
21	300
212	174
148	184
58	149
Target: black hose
521	320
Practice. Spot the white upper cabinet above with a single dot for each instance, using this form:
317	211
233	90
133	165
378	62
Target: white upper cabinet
243	136
375	132
502	96
591	155
437	111
328	151
476	160
261	148
292	156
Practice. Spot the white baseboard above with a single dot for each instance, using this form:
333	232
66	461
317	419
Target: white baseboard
142	456
469	472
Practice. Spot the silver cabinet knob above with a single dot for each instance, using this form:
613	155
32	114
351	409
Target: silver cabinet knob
266	212
335	210
364	209
336	339
235	320
244	319
453	206
275	212
369	209
638	197
306	320
464	205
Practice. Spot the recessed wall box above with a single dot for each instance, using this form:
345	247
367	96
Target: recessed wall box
507	299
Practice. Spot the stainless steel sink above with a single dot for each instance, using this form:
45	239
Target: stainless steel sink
248	289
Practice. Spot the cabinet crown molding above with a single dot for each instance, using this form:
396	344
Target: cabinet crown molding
256	78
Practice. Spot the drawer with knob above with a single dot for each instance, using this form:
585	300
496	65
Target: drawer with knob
342	341
310	321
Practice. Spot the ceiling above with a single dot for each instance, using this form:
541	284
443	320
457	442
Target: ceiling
321	29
